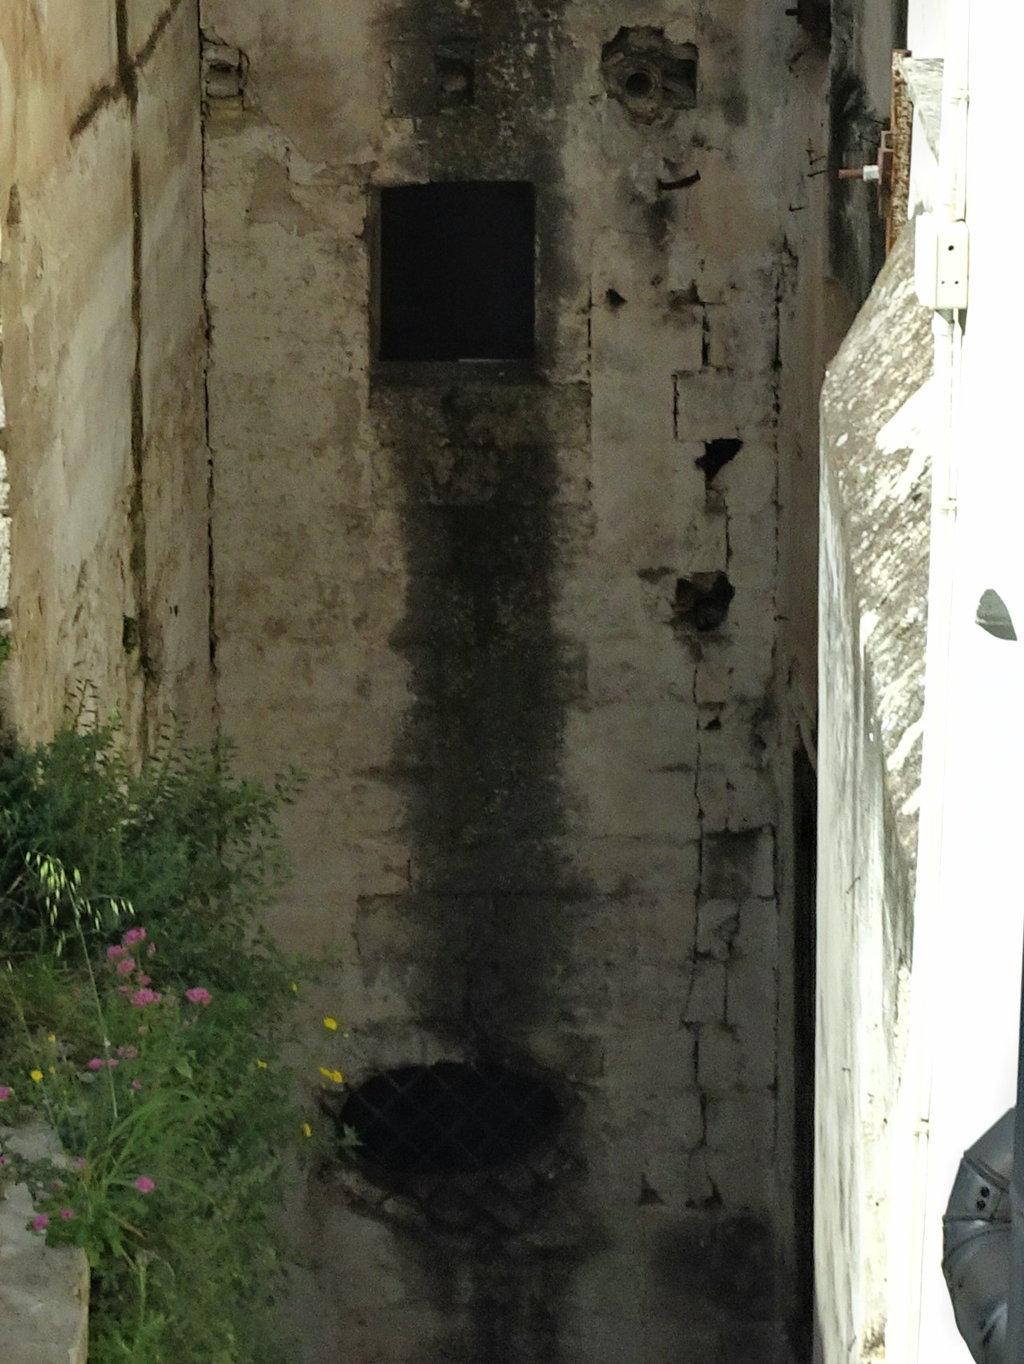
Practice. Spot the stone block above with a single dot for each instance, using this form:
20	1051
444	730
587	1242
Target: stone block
720	1060
748	654
630	768
621	866
654	667
700	1190
718	923
753	992
731	1058
713	684
672	1122
715	403
749	486
738	864
705	998
666	926
741	1148
735	797
714	1267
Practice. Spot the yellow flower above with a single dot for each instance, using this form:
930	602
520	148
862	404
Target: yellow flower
51	1037
334	1075
261	1065
331	1024
294	987
36	1075
307	1131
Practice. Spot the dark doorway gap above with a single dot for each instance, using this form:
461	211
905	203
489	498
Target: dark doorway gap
805	881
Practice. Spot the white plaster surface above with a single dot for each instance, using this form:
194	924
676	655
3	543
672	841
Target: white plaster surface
877	434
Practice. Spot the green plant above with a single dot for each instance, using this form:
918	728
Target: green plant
143	1014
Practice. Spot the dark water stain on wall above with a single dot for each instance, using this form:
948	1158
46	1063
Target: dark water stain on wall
475	455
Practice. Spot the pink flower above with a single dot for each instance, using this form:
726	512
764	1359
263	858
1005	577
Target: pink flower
3	1161
124	989
145	996
6	1092
66	1214
144	979
79	1162
128	1053
114	952
97	1063
133	936
198	995
40	1222
136	1085
144	1184
126	966
56	1185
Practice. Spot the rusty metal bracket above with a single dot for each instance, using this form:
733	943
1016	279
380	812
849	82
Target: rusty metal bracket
891	170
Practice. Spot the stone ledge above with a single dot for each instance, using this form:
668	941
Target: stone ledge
44	1290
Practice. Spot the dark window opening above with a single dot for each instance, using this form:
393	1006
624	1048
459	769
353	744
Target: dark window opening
457	264
449	1118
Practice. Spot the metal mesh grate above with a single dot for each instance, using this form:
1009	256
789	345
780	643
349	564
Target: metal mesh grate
449	1118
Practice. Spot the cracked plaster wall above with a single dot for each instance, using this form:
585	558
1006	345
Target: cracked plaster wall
101	308
546	818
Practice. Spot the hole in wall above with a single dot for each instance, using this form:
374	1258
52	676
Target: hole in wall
717	454
456	271
456	78
650	76
450	1118
703	600
639	84
805	937
614	299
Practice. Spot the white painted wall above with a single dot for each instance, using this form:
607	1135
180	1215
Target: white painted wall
968	935
926	28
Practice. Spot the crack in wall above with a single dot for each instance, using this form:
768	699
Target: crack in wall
138	555
125	84
211	563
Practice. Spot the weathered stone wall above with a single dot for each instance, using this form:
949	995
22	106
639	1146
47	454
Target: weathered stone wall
102	366
875	517
490	615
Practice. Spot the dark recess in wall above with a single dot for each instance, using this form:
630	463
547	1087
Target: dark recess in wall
717	454
703	600
450	1117
457	271
805	835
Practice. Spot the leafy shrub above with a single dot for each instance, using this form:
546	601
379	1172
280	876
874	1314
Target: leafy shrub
143	1015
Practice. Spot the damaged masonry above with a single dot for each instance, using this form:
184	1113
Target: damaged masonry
425	394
